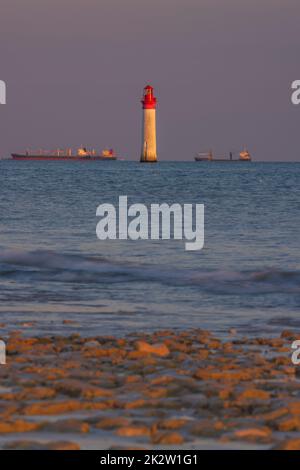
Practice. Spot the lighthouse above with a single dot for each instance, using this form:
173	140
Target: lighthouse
148	153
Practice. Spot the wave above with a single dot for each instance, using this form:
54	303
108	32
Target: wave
42	265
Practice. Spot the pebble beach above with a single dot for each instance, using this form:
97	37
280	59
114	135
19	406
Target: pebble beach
168	389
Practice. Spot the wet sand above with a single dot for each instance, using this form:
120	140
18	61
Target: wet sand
169	389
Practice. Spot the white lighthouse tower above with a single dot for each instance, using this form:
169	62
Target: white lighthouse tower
148	153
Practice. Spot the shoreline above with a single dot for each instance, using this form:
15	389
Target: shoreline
168	389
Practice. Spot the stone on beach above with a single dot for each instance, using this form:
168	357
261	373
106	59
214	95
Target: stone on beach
168	438
34	445
159	349
66	425
112	423
289	424
290	444
76	388
253	394
172	423
133	431
17	426
253	433
52	408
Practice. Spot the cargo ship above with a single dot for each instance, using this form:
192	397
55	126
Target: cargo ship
82	154
244	156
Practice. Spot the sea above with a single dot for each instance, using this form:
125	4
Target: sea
58	278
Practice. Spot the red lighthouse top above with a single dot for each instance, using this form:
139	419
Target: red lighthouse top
149	100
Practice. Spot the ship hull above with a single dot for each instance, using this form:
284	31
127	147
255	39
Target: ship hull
56	158
216	160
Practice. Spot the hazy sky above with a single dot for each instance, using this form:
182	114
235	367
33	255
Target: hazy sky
222	70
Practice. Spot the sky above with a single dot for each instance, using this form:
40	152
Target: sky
222	72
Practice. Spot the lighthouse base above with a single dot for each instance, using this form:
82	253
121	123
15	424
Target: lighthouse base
148	159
